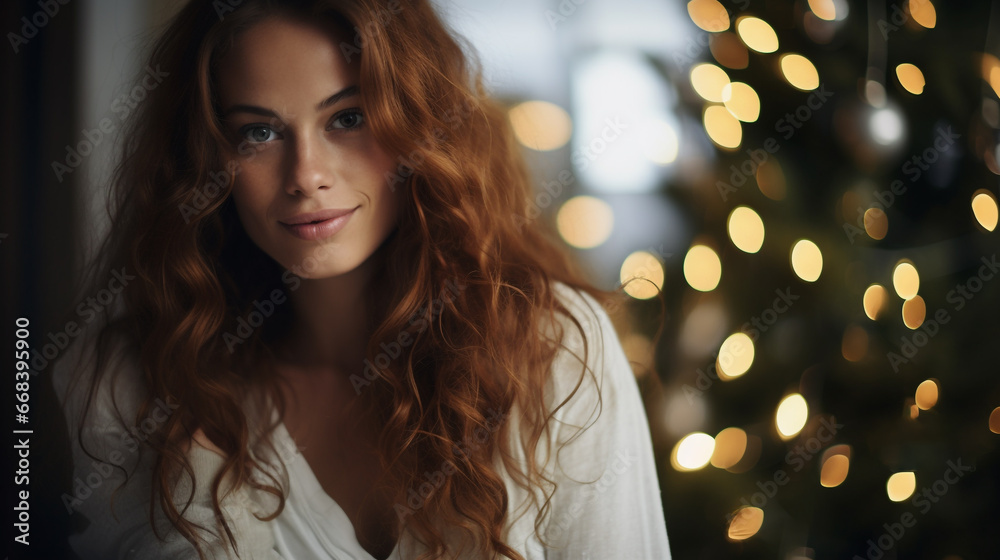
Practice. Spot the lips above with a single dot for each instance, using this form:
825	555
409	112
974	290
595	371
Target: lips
313	226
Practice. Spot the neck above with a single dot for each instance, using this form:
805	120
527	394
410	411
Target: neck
333	320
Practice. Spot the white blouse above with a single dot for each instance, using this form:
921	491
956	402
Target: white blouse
607	504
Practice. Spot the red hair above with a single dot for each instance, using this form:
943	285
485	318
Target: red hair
464	223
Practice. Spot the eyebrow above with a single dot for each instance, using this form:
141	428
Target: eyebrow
349	91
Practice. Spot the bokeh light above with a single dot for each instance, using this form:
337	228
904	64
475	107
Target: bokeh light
927	394
745	523
876	299
746	229
757	34
647	272
702	268
729	51
906	280
876	223
708	80
799	72
901	486
995	420
914	312
984	207
742	101
771	179
722	127
585	221
730	445
735	356
923	12
709	15
692	452
807	260
836	462
541	125
854	345
911	78
824	9
791	415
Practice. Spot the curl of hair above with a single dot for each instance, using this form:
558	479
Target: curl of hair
466	218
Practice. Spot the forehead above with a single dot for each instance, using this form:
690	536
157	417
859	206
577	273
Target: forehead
282	58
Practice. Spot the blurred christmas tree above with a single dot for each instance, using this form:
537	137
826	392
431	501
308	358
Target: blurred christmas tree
847	230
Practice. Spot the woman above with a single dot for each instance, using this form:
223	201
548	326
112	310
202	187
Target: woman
344	337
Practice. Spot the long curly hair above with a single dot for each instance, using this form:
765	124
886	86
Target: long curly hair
466	222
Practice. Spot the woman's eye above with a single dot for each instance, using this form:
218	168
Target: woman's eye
348	119
258	133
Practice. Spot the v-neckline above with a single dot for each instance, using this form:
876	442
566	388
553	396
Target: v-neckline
319	501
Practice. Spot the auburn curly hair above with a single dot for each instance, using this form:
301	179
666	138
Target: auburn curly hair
466	220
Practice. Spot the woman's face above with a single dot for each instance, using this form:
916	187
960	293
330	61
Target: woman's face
311	174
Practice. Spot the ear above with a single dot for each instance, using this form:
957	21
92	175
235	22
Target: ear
201	439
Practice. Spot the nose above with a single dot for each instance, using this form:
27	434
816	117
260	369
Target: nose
310	168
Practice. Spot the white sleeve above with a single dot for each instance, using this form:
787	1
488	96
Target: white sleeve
124	531
607	503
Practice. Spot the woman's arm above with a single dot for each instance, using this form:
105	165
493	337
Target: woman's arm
608	502
124	531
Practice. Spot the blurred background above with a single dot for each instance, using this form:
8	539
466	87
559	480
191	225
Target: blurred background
806	192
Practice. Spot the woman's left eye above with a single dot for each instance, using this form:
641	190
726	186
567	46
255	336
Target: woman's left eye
349	119
257	133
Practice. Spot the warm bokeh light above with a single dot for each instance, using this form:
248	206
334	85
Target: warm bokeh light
541	125
876	223
702	268
854	345
799	72
911	78
923	12
709	15
708	81
692	452
729	51
791	415
757	34
585	221
836	462
914	312
901	486
807	260
771	179
730	445
824	9
875	301
745	523
927	394
984	207
746	229
995	420
722	127
906	280
642	275
735	356
742	101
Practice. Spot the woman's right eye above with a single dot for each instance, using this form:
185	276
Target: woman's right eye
258	133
